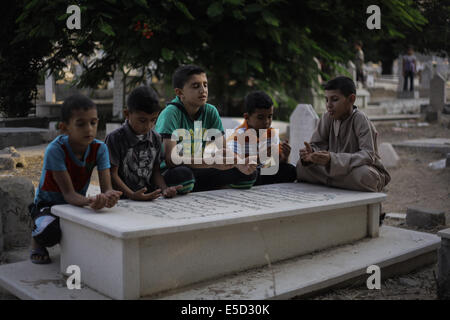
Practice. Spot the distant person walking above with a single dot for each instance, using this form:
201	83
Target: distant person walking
409	69
359	63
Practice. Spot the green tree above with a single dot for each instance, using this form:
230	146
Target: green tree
243	44
20	64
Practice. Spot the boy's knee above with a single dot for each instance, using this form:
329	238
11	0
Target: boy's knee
244	181
368	178
46	231
304	173
180	176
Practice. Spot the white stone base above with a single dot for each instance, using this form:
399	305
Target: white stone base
304	275
318	271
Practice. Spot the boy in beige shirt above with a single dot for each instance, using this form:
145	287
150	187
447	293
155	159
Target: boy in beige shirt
343	149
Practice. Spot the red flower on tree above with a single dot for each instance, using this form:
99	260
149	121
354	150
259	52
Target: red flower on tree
146	31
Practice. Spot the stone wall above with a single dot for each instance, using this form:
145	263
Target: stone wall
16	193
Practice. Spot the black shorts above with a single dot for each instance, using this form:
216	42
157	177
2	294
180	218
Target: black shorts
46	231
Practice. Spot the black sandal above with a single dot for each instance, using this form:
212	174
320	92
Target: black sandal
42	253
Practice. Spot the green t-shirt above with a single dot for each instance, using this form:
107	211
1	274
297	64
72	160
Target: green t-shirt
175	116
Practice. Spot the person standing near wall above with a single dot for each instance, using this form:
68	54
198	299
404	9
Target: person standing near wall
409	69
359	63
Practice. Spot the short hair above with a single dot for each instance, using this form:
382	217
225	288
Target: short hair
257	100
344	84
183	73
143	98
359	43
75	102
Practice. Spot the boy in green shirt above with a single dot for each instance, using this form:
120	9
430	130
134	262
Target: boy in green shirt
189	111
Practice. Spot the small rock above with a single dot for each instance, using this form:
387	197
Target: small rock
7	163
8	150
409	282
11	159
397	216
388	156
437	165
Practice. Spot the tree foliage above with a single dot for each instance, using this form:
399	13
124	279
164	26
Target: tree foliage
260	43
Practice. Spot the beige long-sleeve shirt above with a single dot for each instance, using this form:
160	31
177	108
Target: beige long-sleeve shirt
351	143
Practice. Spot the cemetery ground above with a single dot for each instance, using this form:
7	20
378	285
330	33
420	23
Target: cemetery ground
413	183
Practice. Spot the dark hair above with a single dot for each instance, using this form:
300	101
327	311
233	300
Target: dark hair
343	84
257	100
183	73
143	98
75	102
359	43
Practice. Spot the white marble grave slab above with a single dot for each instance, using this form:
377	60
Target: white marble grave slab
133	219
141	248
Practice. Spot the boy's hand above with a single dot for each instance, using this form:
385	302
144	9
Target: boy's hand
321	157
140	195
223	166
98	202
305	154
285	151
171	192
246	169
113	196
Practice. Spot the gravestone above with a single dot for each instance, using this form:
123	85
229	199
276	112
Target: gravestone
137	249
50	95
119	95
443	279
425	76
370	82
16	193
388	155
362	98
303	122
352	70
437	93
424	218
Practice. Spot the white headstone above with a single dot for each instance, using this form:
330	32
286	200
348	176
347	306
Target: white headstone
437	93
425	76
388	155
352	70
303	122
119	93
370	81
400	73
362	98
50	95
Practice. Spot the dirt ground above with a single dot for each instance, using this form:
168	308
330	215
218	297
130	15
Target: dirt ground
413	184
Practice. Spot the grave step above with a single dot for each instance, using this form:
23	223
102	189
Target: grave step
396	251
30	281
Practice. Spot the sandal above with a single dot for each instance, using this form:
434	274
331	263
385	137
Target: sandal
42	253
